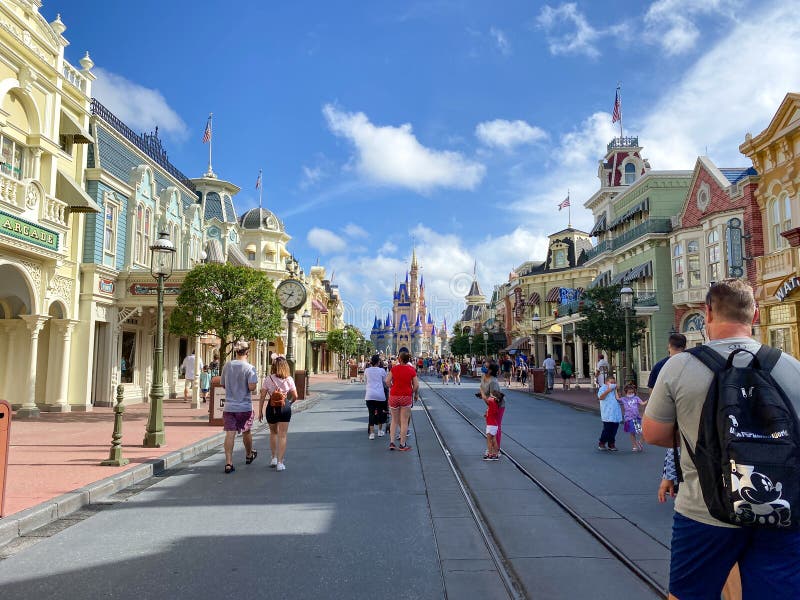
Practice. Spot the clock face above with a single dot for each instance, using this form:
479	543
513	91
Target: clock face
291	294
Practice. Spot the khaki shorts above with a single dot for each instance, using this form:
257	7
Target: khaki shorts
188	385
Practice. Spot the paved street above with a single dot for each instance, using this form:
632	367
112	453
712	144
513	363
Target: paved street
348	519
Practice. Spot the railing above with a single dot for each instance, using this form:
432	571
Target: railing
623	142
649	226
643	298
54	210
604	246
9	190
778	263
149	144
73	76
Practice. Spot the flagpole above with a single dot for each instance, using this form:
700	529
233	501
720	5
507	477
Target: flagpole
210	141
260	190
619	91
569	212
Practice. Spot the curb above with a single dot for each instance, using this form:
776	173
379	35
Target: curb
23	522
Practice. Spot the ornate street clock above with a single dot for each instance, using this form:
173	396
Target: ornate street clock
291	295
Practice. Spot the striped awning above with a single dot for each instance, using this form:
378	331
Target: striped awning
643	206
554	295
214	252
579	291
618	278
602	280
599	226
236	256
639	272
319	306
534	299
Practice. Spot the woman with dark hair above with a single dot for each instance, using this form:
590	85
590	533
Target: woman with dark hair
377	405
279	384
403	387
490	387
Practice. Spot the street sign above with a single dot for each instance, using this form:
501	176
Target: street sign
733	237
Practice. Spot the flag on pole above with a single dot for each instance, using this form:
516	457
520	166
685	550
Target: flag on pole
564	204
207	132
616	115
258	181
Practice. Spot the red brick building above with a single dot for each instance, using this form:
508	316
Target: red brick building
716	235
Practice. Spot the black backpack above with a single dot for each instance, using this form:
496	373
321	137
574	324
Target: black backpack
748	444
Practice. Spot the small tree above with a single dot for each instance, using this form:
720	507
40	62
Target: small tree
231	302
459	344
604	320
344	342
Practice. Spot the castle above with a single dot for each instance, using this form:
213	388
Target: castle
409	326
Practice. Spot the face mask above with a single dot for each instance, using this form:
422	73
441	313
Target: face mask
631	394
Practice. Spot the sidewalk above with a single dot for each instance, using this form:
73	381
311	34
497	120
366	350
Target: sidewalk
584	398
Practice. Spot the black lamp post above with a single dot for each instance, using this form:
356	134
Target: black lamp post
486	345
470	337
162	256
536	323
626	301
305	319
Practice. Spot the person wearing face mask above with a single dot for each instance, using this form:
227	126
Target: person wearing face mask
610	414
633	421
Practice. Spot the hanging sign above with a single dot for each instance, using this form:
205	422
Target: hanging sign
787	287
733	237
23	230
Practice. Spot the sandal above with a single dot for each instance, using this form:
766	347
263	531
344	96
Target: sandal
251	458
229	468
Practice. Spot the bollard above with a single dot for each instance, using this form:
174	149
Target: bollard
5	436
115	454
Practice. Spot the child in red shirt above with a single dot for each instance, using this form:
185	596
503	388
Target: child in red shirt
492	422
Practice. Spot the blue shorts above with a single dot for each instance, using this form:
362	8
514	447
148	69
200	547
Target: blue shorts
703	555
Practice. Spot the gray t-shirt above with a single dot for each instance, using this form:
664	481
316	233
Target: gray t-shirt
236	375
680	392
490	387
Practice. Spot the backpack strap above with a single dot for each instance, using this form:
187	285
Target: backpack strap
710	358
768	357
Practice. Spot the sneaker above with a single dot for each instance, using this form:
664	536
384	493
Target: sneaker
281	467
274	462
404	448
601	447
613	449
487	457
494	457
381	433
372	436
392	446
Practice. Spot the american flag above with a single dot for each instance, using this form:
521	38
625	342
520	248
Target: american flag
564	204
616	115
258	181
207	132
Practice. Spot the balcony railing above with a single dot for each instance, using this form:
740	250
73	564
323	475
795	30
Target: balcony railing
604	246
777	264
649	226
623	142
642	298
73	76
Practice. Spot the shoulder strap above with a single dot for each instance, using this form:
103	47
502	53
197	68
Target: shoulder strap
768	357
710	358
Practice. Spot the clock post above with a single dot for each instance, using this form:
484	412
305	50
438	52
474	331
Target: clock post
292	296
290	342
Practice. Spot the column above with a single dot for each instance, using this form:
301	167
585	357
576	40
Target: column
549	338
60	343
9	328
195	402
34	324
578	357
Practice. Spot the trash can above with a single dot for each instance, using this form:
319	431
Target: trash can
353	371
301	383
537	381
5	436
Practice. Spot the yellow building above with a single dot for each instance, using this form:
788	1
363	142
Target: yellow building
44	117
775	153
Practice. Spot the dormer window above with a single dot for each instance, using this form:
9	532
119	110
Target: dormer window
630	173
559	259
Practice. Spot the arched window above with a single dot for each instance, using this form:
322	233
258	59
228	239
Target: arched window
780	219
139	236
630	173
714	256
177	241
147	235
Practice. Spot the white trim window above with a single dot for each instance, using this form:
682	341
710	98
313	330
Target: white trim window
679	280
781	338
110	221
176	239
138	235
12	157
714	254
693	263
780	219
630	173
148	218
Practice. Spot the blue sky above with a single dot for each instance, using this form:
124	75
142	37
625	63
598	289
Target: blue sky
459	124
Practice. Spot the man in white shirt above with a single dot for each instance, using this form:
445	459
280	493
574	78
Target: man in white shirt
188	365
549	366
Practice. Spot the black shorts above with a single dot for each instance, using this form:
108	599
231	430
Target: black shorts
279	415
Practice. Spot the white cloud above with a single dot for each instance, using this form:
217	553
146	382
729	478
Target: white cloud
311	175
671	23
388	247
139	107
325	240
568	31
354	231
393	156
501	133
501	40
715	104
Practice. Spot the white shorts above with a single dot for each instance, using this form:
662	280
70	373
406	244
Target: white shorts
188	385
491	430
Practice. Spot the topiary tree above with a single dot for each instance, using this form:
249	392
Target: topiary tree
232	303
344	342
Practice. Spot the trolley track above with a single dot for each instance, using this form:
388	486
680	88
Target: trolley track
499	559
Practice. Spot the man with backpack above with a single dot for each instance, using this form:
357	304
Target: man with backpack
732	405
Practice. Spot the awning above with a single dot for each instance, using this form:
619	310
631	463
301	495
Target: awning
319	306
251	248
640	272
69	126
554	295
214	252
68	190
599	226
534	299
618	278
643	206
602	280
236	256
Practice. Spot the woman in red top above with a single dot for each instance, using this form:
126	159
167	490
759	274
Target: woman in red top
403	388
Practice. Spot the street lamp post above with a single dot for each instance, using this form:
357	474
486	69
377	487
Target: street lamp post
626	301
486	345
471	337
305	318
162	256
536	323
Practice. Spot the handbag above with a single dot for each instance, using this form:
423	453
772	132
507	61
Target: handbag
277	399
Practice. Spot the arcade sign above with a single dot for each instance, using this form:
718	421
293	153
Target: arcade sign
787	287
151	289
29	232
